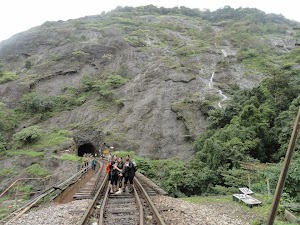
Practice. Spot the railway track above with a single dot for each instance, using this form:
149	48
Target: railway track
130	209
136	208
51	192
91	187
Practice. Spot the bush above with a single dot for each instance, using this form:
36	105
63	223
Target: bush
7	77
26	189
116	81
221	190
28	135
7	119
35	103
28	64
2	143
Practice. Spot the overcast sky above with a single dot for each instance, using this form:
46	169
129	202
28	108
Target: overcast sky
20	15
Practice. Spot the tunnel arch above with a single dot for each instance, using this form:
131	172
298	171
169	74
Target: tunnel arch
86	148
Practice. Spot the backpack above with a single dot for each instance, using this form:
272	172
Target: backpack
135	168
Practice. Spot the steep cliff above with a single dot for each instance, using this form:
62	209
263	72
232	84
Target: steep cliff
144	77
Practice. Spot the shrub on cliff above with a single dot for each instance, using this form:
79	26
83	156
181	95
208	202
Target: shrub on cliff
28	135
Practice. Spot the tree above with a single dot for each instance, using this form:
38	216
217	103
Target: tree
28	64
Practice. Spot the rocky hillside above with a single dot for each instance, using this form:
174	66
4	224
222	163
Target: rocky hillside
144	78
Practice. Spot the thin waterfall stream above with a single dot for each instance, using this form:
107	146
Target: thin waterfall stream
211	84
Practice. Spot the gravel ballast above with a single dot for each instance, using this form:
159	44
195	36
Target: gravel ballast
58	214
179	212
174	211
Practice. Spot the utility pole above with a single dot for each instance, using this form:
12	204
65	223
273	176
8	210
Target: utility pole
284	170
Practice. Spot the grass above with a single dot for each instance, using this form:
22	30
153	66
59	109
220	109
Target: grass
70	157
4	212
115	137
7	172
7	77
261	212
55	138
25	190
37	170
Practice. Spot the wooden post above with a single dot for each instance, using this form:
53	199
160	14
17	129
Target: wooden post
284	170
249	181
268	187
16	196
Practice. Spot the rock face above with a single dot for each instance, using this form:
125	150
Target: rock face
87	141
168	63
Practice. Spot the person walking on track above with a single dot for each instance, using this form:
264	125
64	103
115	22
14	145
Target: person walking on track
94	163
129	173
119	168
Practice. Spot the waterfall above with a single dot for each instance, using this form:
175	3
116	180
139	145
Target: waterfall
224	53
210	84
224	97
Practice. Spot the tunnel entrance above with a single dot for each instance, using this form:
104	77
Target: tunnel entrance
86	148
87	141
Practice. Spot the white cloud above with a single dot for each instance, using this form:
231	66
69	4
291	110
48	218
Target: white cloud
19	15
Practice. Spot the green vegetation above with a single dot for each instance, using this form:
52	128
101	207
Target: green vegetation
25	190
103	87
4	212
8	121
34	103
253	126
6	76
7	172
70	157
115	137
53	138
7	118
116	81
28	64
28	135
36	170
32	141
252	129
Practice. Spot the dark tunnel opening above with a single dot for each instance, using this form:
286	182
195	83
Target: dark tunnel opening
86	148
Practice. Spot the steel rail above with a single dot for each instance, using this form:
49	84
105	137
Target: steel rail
153	208
105	200
138	201
92	204
101	167
140	206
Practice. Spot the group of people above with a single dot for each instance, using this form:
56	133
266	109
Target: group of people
119	170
